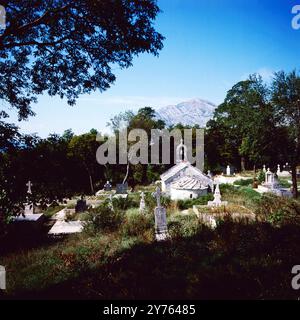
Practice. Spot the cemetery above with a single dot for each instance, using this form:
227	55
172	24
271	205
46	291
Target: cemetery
142	193
85	231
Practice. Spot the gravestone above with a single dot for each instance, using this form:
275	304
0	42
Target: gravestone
209	174
107	186
29	208
228	171
278	170
2	278
160	213
122	188
142	203
81	205
264	168
217	202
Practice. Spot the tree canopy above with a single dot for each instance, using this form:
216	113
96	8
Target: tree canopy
67	48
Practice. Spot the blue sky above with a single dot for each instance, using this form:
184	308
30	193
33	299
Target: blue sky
210	45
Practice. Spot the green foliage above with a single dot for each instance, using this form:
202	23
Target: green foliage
151	201
189	203
124	204
45	57
51	210
243	182
135	223
284	183
261	176
184	226
103	218
278	210
227	188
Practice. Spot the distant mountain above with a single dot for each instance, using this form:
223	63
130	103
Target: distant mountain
192	112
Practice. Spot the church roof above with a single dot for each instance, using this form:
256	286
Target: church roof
182	165
189	183
174	170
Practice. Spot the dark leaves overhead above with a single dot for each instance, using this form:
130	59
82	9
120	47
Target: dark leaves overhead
67	48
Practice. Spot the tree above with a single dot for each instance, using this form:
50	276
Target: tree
67	48
83	148
144	119
242	124
286	102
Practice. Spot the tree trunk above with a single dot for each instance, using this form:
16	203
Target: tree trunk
294	180
127	172
242	164
91	183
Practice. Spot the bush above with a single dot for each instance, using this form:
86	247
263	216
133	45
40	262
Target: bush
183	226
124	204
279	211
227	188
104	218
284	183
243	182
135	223
189	203
151	202
261	177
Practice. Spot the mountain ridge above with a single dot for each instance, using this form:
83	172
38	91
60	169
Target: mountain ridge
189	113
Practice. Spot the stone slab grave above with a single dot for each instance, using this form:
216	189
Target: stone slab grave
211	212
62	214
28	221
160	213
29	218
66	227
62	227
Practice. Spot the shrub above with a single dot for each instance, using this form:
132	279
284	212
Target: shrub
227	188
104	218
279	210
261	176
243	182
151	201
135	223
183	226
124	203
284	183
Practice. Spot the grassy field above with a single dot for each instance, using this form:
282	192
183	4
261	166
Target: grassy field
119	259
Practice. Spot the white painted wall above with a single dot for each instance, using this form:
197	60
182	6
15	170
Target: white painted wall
186	194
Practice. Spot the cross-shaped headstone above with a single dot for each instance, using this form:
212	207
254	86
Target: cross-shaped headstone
29	185
157	194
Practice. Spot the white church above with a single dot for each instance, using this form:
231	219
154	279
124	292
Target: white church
184	181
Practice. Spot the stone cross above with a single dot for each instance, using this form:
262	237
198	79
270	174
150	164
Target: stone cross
157	194
29	185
